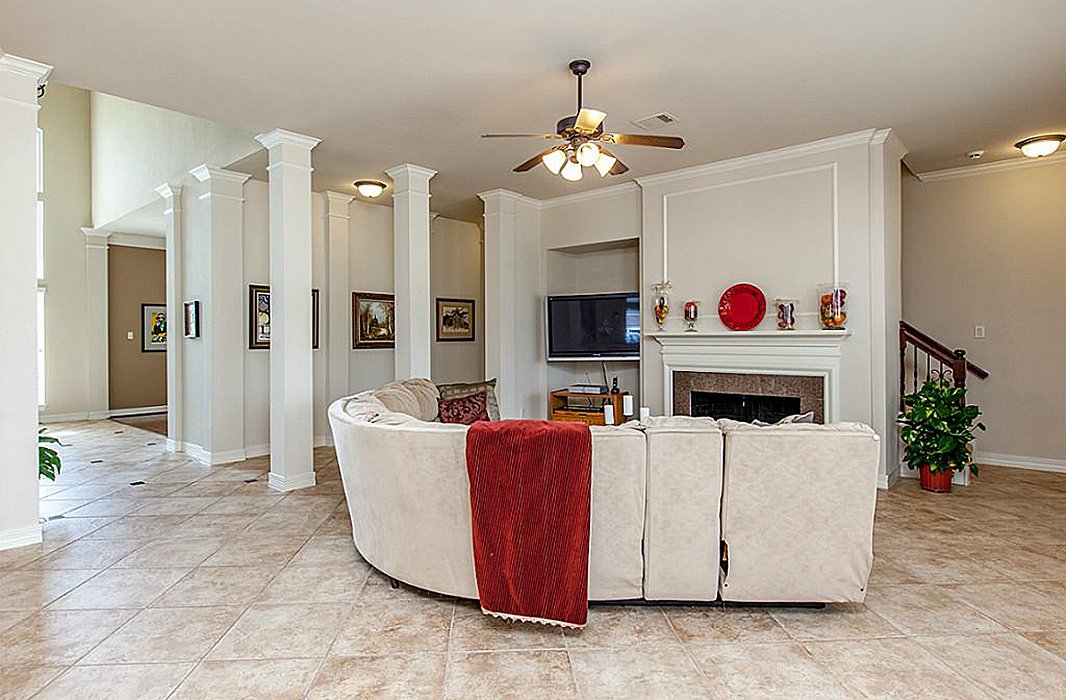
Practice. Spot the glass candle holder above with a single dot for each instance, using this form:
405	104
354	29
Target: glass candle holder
786	313
692	314
833	306
661	306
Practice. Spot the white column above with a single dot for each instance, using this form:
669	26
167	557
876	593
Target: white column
18	281
500	295
291	386
172	212
410	227
222	314
338	295
99	402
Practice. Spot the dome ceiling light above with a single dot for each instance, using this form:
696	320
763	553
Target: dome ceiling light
1040	146
370	188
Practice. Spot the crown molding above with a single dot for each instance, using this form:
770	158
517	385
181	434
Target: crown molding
291	138
168	191
501	193
25	67
833	143
95	238
137	240
206	172
596	193
409	169
998	166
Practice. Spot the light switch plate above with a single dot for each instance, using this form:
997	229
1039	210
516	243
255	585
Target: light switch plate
129	335
978	331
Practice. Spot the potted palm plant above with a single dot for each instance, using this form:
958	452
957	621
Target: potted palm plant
937	432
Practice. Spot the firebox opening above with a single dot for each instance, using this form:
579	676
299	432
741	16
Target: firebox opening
744	407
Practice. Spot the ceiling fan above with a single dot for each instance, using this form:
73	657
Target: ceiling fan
583	140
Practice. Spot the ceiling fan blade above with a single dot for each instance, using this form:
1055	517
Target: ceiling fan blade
619	167
534	161
645	140
588	120
521	136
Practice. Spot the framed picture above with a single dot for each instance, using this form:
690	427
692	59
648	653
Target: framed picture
373	320
314	319
258	317
455	319
153	328
192	319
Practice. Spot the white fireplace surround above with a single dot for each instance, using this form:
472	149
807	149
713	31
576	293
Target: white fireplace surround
812	353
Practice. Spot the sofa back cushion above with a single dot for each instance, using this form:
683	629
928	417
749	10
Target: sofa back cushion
461	389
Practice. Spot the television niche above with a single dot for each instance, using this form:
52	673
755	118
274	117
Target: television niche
594	326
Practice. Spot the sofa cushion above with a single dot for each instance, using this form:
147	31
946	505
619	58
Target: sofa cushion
426	393
464	409
399	399
364	406
460	389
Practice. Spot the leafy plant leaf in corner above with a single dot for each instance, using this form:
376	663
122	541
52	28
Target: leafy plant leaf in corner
48	461
937	428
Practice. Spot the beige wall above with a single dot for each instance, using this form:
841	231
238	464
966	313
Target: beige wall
64	119
456	269
989	250
135	276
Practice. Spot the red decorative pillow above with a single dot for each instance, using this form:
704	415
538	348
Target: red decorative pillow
466	409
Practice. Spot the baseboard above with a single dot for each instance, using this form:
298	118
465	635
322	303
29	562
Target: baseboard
885	481
20	536
142	411
62	417
323	441
302	481
172	445
99	415
199	454
1042	464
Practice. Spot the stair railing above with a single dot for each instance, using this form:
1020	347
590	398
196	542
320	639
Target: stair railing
941	363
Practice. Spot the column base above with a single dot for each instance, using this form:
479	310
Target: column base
20	537
279	482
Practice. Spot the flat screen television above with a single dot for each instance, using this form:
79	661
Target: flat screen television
594	326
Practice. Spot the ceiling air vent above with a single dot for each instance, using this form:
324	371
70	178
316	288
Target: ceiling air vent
655	121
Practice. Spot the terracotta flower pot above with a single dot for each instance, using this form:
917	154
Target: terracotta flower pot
937	483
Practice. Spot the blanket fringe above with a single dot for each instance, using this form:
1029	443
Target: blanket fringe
522	618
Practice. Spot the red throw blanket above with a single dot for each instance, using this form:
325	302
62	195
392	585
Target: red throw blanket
530	485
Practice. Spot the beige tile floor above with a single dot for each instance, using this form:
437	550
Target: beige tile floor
203	583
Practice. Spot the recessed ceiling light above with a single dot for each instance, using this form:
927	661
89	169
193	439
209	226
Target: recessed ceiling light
1038	146
370	188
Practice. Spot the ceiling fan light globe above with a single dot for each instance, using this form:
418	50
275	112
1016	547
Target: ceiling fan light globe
604	164
370	188
1040	146
571	171
587	153
554	161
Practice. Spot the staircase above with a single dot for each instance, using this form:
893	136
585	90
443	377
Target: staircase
921	357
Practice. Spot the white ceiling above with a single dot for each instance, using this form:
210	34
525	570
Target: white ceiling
390	82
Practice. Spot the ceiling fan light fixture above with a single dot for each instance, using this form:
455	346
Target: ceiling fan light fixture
1039	146
571	171
604	164
554	161
369	188
588	153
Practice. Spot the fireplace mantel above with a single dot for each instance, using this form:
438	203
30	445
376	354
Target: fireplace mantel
801	352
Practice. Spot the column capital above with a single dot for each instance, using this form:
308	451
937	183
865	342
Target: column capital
25	68
337	204
410	177
95	238
279	137
169	191
206	172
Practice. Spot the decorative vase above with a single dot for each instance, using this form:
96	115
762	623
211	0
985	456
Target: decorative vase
786	313
662	302
940	482
833	306
692	314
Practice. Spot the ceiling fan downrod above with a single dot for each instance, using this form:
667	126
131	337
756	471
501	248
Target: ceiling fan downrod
579	67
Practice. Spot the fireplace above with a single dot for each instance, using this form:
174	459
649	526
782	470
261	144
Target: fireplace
747	396
744	407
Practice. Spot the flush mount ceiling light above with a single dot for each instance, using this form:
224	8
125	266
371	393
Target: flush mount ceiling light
370	188
583	140
1038	146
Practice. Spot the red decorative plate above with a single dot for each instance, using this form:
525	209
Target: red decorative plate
742	307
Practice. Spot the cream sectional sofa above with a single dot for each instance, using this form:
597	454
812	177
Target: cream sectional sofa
793	506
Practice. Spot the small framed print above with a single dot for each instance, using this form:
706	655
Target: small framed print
455	319
314	319
192	318
258	317
373	320
153	328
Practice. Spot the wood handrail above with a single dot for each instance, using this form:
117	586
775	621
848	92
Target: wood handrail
941	352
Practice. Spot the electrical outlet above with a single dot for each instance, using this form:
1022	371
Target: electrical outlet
129	335
978	331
